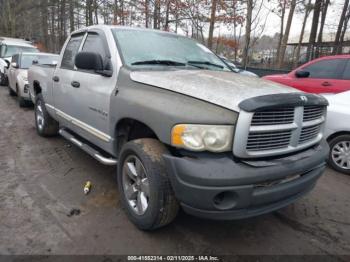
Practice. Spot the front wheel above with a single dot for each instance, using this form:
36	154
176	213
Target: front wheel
144	186
339	155
3	80
45	124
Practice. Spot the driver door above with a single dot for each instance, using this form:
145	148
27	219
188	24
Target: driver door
325	77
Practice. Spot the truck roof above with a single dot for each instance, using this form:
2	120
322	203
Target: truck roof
104	27
40	53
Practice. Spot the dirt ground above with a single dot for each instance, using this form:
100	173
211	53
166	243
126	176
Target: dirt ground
41	181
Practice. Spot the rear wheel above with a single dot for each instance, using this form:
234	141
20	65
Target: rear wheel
144	186
45	124
339	155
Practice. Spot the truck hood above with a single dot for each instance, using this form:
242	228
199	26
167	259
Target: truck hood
224	89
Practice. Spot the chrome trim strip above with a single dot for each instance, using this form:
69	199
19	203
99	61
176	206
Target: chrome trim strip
81	124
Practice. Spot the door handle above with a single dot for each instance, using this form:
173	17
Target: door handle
326	84
56	79
75	84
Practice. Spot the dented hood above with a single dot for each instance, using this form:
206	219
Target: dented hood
224	89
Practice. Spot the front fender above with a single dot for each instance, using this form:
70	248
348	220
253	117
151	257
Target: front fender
161	109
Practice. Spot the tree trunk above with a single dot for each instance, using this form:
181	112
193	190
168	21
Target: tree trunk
166	27
286	34
337	44
44	24
146	12
324	9
283	12
96	11
314	27
212	23
307	13
248	29
115	12
71	15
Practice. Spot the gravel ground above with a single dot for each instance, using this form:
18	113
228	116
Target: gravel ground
41	181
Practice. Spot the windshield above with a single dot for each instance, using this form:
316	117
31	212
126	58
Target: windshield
143	47
28	60
10	50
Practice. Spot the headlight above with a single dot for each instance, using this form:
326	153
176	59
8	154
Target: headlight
24	78
202	137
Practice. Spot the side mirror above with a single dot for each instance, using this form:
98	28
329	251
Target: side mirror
92	61
89	61
7	64
302	74
14	65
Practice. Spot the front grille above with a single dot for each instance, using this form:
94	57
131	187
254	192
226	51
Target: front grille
313	112
279	130
309	133
274	117
268	140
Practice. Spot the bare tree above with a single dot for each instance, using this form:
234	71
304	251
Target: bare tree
314	27
286	33
337	42
308	8
248	29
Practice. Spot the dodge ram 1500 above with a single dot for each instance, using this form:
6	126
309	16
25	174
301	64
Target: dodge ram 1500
181	128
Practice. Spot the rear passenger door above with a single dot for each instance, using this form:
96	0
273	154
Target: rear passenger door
64	101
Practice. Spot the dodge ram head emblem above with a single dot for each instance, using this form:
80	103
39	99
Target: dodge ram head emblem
303	98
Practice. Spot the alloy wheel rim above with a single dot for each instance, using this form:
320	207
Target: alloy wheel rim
39	116
136	185
341	154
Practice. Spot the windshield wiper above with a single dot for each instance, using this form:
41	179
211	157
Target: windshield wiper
159	62
205	63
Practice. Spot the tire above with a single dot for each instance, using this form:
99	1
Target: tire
3	81
22	102
340	149
11	92
46	126
162	206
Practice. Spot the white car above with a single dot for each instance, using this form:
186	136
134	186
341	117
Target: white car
236	69
9	47
337	131
18	73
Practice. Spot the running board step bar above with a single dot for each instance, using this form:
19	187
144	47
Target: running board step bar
88	149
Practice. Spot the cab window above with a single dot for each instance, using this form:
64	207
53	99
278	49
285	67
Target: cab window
94	43
71	51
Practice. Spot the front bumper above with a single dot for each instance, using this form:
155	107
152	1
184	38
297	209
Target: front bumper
219	187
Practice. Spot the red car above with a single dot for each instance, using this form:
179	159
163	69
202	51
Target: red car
330	74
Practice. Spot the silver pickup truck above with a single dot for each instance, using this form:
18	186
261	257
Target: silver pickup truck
181	128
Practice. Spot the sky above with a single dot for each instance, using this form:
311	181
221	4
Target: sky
273	21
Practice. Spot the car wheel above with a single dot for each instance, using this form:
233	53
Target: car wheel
144	186
339	156
11	92
3	81
21	101
45	124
